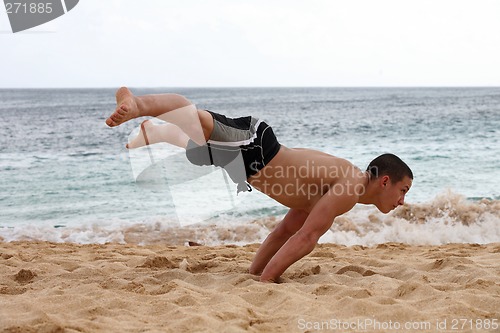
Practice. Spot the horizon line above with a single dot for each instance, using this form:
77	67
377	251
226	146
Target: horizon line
256	87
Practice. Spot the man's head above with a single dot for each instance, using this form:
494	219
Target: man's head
389	165
393	179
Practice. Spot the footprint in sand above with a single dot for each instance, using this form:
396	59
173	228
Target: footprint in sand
356	269
158	262
24	276
315	270
450	262
6	290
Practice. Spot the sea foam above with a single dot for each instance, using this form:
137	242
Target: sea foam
448	218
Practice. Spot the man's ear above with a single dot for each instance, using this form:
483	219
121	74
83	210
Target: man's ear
384	181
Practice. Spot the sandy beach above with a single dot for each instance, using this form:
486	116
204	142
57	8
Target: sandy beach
49	287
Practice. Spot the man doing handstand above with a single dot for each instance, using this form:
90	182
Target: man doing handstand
317	187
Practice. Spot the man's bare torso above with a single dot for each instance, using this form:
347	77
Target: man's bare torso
298	178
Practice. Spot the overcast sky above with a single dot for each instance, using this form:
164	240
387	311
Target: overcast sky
228	43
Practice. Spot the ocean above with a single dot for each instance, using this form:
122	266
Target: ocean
67	177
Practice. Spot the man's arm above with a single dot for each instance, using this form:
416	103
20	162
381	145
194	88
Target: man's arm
293	221
317	223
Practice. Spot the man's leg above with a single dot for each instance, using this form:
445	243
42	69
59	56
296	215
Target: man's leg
290	224
173	108
151	133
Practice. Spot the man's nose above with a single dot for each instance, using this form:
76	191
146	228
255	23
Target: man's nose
401	201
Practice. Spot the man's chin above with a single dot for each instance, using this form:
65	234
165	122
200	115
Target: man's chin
384	210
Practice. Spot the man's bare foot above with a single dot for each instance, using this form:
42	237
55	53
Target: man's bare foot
142	139
126	108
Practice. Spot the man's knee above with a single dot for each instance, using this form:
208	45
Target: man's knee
206	122
180	100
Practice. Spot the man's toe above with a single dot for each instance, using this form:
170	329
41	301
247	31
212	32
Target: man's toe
110	122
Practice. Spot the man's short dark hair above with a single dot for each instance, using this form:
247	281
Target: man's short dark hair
390	165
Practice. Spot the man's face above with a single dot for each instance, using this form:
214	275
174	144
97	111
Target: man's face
393	194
